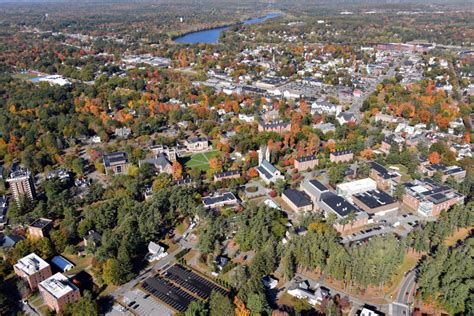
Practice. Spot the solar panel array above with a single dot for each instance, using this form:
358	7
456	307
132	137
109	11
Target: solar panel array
178	286
192	282
168	293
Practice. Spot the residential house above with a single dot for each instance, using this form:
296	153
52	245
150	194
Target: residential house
325	107
57	291
325	127
116	163
9	241
92	239
341	156
32	269
346	118
306	162
298	201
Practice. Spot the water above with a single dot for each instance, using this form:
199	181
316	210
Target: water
212	35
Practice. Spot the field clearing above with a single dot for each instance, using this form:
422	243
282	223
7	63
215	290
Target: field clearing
460	234
201	160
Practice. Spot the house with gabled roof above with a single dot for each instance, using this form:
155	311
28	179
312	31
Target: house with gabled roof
267	172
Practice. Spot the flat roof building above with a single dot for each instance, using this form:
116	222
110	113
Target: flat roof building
22	184
430	198
375	202
335	204
57	291
219	200
348	189
33	269
40	228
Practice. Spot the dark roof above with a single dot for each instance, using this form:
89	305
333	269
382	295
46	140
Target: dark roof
9	240
221	198
183	181
168	293
115	158
374	198
192	282
275	124
197	139
321	187
382	171
159	161
41	223
298	198
226	173
341	152
306	158
338	204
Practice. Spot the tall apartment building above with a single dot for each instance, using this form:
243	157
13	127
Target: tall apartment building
32	269
22	184
57	291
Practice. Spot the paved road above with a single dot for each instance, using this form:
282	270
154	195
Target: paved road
400	307
127	287
405	295
357	104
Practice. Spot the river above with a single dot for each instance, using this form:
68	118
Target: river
213	35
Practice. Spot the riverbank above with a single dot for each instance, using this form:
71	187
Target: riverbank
211	35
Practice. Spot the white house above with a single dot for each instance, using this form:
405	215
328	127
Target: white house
267	172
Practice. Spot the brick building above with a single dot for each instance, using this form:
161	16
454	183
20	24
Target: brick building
40	228
341	156
57	291
32	269
306	162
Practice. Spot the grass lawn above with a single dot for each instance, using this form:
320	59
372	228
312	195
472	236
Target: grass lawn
408	263
81	263
458	235
403	171
201	160
286	299
24	76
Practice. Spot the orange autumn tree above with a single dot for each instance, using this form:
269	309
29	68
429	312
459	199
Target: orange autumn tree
177	170
215	164
434	157
253	173
331	145
367	153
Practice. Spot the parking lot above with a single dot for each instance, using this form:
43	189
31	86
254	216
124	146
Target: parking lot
398	223
144	304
